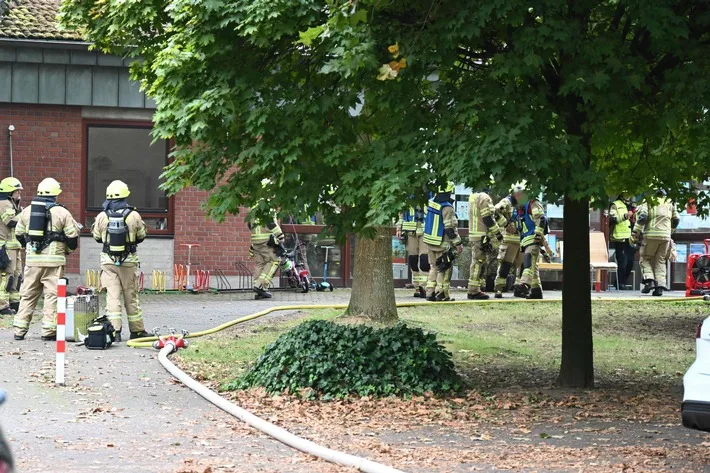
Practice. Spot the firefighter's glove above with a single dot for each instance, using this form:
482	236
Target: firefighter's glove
634	239
539	239
499	236
486	243
251	251
546	256
445	261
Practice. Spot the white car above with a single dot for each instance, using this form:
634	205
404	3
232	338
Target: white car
696	382
5	454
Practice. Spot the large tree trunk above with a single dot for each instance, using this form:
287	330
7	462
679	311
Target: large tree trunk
577	368
373	284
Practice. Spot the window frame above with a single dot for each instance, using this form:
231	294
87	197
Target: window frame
85	212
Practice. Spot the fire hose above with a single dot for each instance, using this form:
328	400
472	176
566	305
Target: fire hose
282	435
169	345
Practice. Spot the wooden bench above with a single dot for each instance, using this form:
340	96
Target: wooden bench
598	259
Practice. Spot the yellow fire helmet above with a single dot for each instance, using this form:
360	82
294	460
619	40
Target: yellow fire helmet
449	187
49	187
10	185
117	190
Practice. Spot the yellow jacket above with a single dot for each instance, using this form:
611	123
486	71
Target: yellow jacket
506	209
54	255
480	210
8	213
656	221
136	233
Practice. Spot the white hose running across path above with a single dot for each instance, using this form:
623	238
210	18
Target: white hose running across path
282	435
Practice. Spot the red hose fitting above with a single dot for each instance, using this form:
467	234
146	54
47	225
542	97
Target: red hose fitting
178	342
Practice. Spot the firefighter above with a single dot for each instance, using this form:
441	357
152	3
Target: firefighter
120	229
655	220
441	237
410	229
266	248
10	190
620	215
485	236
532	227
49	233
509	254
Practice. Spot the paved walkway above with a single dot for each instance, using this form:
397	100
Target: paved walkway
121	412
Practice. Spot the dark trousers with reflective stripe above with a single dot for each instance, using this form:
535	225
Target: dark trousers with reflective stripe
624	254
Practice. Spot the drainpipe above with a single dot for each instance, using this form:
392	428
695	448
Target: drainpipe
11	128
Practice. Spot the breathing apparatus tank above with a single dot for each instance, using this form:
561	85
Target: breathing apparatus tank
39	221
116	247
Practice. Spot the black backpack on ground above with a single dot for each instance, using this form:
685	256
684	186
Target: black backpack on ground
100	334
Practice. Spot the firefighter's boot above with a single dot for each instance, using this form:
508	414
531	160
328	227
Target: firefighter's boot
262	294
134	335
535	293
521	290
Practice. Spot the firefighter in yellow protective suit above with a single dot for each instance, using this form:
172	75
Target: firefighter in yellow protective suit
655	221
10	278
410	229
120	229
509	254
532	226
485	235
266	248
442	239
49	233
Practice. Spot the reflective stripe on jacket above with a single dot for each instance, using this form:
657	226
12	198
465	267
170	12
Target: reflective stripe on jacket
136	231
262	233
480	206
622	229
55	253
506	209
8	213
657	219
531	222
434	227
413	220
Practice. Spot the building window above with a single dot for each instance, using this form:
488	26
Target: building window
127	152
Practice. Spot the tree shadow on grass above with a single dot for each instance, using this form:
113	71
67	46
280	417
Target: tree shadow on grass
671	326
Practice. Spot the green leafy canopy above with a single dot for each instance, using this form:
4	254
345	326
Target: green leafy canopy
582	98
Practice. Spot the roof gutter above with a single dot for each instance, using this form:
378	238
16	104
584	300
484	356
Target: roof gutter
45	43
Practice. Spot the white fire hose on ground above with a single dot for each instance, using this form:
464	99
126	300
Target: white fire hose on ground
282	435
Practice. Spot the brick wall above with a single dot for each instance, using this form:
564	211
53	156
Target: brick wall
221	244
46	143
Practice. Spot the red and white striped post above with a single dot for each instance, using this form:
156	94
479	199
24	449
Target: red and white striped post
61	330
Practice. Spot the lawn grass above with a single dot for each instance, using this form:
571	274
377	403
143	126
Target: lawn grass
502	344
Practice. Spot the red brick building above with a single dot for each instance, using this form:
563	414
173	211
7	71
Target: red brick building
78	118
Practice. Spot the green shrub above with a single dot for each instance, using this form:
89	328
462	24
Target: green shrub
329	360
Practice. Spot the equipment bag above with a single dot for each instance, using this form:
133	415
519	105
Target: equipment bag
100	334
117	246
4	258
